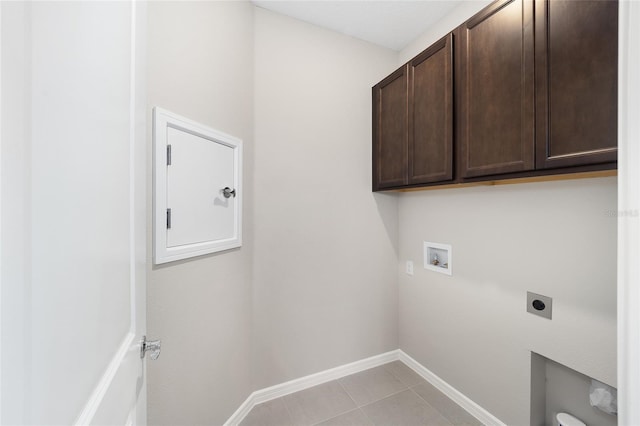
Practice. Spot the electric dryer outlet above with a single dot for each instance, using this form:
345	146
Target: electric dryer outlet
538	304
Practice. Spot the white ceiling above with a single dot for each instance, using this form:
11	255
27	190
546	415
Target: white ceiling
388	23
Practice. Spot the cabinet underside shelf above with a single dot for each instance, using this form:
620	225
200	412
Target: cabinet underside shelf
531	179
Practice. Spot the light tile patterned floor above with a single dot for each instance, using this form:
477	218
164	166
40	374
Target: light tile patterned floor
391	394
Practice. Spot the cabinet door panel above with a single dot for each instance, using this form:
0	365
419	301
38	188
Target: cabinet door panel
576	82
430	114
390	131
495	78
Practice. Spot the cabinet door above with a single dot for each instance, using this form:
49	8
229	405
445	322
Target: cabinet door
390	131
576	82
430	114
494	80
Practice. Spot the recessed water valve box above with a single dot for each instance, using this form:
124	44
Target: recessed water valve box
438	257
538	304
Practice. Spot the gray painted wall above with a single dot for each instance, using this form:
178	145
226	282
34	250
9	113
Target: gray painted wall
325	259
553	238
324	292
200	65
472	328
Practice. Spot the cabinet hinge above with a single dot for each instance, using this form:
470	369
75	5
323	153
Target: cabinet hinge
168	218
168	155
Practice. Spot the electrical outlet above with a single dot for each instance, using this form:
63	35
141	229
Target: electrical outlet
409	267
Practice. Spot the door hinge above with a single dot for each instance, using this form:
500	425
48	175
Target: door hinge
168	218
168	155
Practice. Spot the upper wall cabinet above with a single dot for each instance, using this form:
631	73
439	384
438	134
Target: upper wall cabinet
527	103
576	82
413	121
495	87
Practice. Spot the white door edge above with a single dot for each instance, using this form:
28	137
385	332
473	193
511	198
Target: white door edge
1	213
628	211
101	397
97	396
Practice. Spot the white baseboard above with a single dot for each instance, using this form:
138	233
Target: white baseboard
277	391
458	397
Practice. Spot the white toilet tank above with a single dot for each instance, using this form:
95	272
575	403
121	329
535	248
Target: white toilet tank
565	419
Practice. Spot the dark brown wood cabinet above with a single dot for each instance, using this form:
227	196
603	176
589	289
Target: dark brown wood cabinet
495	87
431	114
576	82
534	93
390	131
413	121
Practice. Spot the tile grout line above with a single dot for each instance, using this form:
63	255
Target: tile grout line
358	407
286	407
386	396
347	392
350	397
366	416
344	412
478	413
392	394
409	386
394	375
410	389
443	415
420	396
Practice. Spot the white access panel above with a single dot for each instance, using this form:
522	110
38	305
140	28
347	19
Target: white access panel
197	189
199	170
